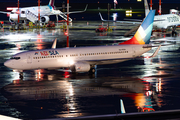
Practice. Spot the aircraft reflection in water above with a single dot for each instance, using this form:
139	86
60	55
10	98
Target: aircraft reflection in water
30	35
67	89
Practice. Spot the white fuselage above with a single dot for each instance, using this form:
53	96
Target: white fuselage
165	21
44	11
65	57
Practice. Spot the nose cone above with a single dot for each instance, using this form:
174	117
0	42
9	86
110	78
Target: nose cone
8	63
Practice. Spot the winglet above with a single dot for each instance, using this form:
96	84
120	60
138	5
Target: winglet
54	44
122	106
86	8
156	52
101	17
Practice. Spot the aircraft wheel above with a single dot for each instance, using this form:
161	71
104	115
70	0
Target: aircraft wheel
21	75
73	69
92	71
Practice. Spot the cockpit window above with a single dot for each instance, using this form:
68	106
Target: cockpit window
16	58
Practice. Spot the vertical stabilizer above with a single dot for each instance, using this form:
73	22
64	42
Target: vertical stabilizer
122	106
146	7
143	34
51	3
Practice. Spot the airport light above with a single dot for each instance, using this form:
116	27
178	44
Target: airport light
128	13
139	0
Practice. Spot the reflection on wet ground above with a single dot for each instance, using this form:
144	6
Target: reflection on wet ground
151	83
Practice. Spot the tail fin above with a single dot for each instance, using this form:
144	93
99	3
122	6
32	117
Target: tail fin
143	34
51	3
146	7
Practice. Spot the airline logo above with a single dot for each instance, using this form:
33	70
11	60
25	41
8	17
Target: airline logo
173	19
46	53
36	53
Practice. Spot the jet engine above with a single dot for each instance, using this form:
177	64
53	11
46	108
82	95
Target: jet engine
80	67
45	19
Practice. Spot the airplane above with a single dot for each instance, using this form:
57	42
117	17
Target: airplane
163	21
31	13
131	22
85	59
160	21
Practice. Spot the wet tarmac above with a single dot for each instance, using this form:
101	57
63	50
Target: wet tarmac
150	82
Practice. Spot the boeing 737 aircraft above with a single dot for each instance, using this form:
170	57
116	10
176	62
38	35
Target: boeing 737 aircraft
163	21
84	59
31	13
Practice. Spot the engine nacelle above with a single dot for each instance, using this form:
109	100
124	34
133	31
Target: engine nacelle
45	19
80	67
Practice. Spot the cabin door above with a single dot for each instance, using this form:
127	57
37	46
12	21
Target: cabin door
133	52
29	59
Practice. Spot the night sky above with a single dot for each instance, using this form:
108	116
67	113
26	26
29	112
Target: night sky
91	1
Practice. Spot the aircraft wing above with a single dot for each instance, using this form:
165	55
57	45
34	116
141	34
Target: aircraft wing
174	24
167	39
5	12
77	11
131	22
110	61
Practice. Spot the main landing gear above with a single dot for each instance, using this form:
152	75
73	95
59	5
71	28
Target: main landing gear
21	75
92	69
174	33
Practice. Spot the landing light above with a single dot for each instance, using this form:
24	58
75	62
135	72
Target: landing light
15	71
71	62
65	33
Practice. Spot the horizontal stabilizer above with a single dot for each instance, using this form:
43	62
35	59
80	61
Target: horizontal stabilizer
131	31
